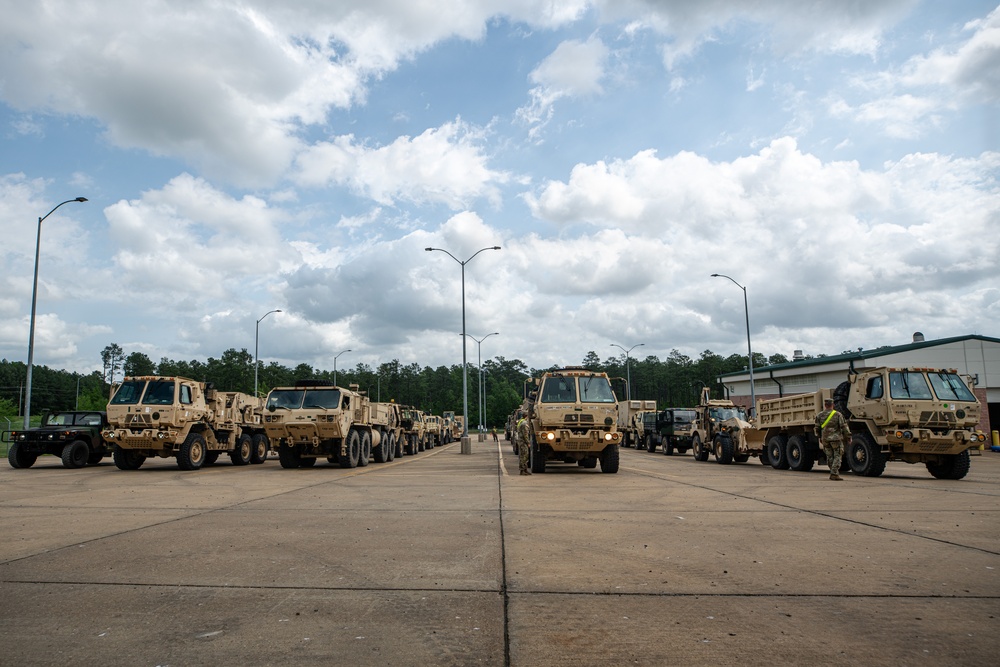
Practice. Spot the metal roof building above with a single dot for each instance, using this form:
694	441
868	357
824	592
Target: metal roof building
973	355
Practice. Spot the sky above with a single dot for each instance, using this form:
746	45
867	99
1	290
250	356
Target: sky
839	161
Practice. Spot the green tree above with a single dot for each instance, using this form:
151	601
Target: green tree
138	363
112	357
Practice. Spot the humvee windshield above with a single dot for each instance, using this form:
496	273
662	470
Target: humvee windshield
904	384
129	392
950	387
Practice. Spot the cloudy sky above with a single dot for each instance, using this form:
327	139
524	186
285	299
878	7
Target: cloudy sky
840	160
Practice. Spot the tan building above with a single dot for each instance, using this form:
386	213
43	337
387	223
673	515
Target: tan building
977	356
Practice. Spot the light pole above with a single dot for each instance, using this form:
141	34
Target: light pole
31	324
335	366
746	310
482	397
466	445
628	374
256	340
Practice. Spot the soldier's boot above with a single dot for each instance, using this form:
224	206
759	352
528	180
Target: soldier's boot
834	476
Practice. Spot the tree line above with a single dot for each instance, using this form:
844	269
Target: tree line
675	381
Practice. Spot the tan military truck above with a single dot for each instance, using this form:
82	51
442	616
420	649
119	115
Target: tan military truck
434	431
916	415
175	417
630	422
711	423
414	430
315	419
574	419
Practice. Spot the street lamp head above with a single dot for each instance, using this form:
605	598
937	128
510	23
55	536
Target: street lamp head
715	275
496	247
81	199
428	249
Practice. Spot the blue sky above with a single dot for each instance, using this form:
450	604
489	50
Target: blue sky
840	160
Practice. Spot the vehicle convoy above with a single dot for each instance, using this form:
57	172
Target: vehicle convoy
174	417
574	420
315	419
75	437
670	430
713	419
916	415
630	424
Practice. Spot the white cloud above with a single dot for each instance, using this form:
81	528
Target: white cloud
445	165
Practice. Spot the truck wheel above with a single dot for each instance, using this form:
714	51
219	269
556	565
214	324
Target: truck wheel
723	449
95	458
610	459
365	454
668	447
840	395
261	447
776	454
590	462
865	455
799	455
240	456
192	453
650	444
954	466
700	453
380	452
388	447
128	459
536	460
307	461
349	459
75	454
288	456
18	458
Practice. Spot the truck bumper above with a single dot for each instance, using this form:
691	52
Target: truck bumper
144	440
925	441
564	440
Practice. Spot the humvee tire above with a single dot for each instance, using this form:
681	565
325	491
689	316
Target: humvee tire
18	458
75	454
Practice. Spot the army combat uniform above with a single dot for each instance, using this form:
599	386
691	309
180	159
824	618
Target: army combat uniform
832	430
523	436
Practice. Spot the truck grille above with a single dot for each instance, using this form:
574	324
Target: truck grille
137	420
572	419
937	419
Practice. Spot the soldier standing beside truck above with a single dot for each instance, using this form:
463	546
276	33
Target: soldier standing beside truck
831	429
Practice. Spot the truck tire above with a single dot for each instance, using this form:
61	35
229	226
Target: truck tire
840	395
865	455
18	458
799	455
240	456
954	466
389	447
261	447
288	456
380	453
650	444
536	460
365	454
352	452
128	459
668	446
700	453
776	453
589	463
610	459
192	453
723	449
95	458
307	461
75	454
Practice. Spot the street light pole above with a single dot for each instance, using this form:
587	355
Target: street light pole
335	366
628	374
466	445
31	323
482	396
256	340
746	310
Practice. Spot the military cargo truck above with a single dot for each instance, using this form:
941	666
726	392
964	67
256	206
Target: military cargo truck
574	420
175	417
73	436
713	421
414	430
434	431
670	430
316	419
916	415
630	421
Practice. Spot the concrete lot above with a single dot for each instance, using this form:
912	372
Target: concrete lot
449	559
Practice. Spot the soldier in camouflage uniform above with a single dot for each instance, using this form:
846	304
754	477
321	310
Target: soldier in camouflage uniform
832	431
523	437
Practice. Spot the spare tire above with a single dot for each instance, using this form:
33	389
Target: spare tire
840	395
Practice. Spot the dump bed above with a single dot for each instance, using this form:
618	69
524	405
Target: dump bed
797	410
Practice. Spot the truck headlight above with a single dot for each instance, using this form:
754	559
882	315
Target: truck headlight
550	436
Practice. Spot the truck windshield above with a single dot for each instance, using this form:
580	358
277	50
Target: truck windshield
950	387
289	399
683	416
904	384
129	392
596	390
559	390
322	398
159	392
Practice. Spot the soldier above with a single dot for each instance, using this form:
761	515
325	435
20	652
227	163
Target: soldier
523	437
495	437
832	430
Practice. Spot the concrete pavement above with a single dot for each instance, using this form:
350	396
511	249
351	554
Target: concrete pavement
448	559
